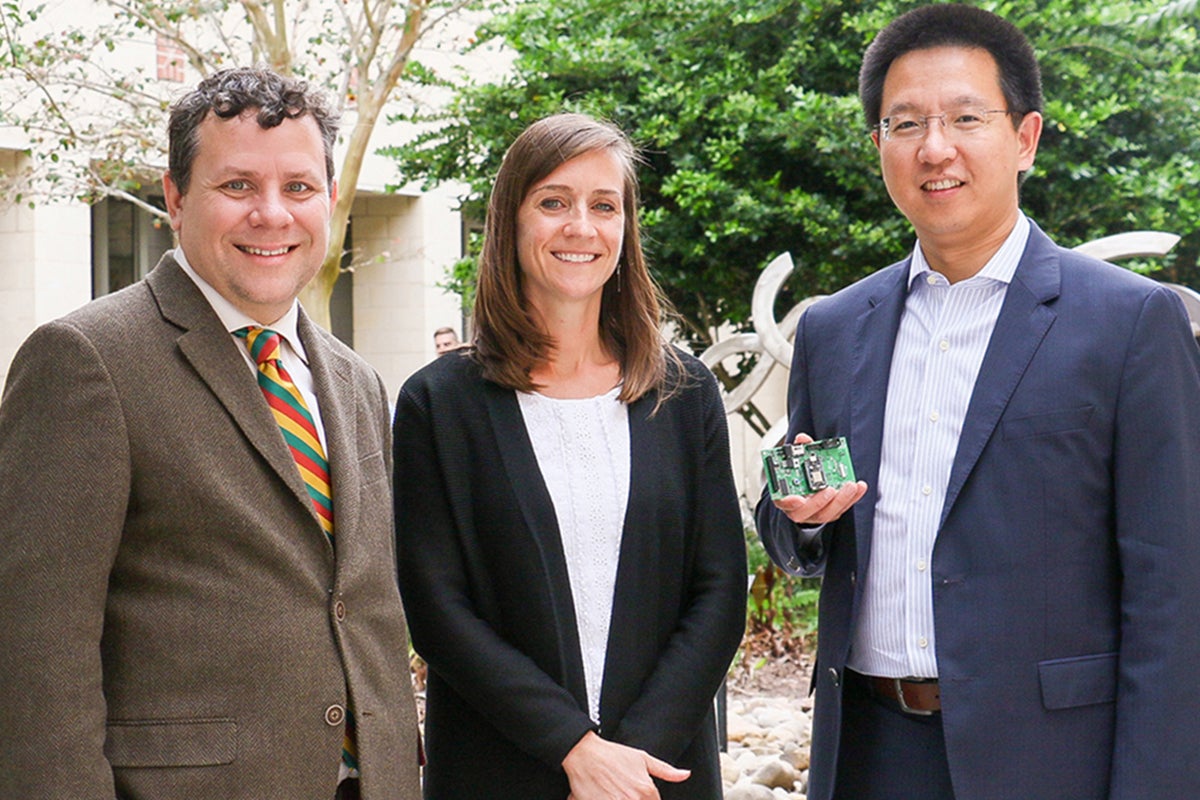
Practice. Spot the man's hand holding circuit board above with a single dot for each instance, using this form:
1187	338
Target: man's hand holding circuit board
812	482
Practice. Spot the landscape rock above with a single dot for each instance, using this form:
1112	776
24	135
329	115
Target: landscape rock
776	774
750	791
768	757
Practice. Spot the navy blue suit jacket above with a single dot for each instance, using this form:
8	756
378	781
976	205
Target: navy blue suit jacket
1066	572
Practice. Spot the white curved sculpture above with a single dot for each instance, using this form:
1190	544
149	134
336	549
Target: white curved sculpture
1129	245
762	308
768	340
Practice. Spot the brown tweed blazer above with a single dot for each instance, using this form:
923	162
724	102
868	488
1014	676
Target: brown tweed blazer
174	623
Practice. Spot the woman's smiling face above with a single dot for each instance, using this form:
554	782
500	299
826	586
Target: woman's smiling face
570	230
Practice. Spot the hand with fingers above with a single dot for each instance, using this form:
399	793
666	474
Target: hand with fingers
602	770
820	507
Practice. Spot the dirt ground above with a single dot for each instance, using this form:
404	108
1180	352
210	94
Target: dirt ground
772	663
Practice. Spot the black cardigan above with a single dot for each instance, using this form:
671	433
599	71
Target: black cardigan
488	600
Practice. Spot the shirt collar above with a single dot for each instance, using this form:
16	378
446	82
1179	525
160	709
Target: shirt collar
234	318
1000	267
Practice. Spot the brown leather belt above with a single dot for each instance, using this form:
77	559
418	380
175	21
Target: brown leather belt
913	696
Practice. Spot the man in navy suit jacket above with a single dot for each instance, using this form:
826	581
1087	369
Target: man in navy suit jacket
1011	596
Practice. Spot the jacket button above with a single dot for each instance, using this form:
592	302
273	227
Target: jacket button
833	676
335	715
339	610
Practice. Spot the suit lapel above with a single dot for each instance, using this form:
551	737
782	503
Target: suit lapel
875	339
211	351
1022	325
334	387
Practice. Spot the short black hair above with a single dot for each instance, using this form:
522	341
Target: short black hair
232	92
953	25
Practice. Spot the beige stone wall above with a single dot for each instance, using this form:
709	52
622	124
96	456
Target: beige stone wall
408	242
45	265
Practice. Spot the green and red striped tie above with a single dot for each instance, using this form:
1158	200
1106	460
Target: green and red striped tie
300	432
293	418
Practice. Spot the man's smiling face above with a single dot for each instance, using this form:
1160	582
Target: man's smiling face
955	189
254	221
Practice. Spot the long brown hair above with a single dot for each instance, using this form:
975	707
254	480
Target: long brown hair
509	341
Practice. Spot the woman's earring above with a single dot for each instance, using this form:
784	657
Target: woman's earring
618	277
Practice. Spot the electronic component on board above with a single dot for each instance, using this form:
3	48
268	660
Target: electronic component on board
807	468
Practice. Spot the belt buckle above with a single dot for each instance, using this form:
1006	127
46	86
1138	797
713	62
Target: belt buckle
904	706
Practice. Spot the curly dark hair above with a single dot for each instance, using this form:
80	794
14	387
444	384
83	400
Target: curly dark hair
231	93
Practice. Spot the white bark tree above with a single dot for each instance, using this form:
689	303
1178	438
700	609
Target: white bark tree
96	125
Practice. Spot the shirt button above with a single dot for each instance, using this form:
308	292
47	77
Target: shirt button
934	416
926	490
944	345
334	715
921	564
339	610
931	280
923	642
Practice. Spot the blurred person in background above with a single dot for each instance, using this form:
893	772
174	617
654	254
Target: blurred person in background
445	340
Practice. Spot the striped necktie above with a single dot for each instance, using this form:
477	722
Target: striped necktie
300	433
293	418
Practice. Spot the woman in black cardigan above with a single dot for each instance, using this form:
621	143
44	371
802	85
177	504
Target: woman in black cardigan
570	543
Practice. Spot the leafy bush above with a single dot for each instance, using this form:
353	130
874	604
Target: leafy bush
779	602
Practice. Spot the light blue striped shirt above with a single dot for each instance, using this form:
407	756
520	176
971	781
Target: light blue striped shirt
944	333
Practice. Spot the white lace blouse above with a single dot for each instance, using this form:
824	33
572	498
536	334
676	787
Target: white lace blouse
582	449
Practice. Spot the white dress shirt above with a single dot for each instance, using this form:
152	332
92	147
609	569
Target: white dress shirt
944	333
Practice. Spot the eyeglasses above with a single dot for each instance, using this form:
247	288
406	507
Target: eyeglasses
956	124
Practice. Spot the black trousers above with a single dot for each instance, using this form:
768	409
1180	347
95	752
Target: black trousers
347	790
887	753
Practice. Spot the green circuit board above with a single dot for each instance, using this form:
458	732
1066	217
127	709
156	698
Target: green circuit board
807	468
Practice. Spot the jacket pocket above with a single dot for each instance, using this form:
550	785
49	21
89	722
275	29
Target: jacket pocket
171	743
1067	419
1080	681
371	468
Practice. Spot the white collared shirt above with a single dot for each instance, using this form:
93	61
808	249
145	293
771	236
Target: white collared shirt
294	357
943	336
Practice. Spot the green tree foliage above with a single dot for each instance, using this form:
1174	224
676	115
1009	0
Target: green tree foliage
755	142
1116	151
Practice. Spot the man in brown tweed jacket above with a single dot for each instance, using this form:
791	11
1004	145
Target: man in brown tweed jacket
176	624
